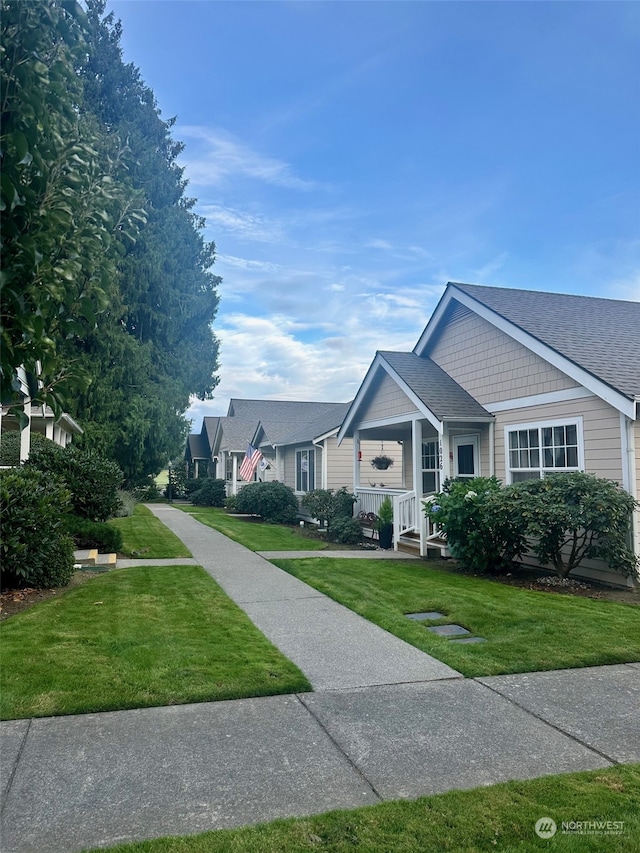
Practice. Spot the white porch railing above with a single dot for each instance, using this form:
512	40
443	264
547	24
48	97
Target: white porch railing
369	500
405	518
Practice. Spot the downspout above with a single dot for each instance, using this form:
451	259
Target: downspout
629	481
492	449
323	457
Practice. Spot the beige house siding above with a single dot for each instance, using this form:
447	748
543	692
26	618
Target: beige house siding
601	425
490	365
386	400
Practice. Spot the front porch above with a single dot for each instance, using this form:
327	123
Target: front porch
428	455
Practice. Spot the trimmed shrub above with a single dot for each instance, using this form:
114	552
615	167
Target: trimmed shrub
10	446
148	491
274	502
576	516
93	480
231	503
94	534
211	493
324	504
485	525
191	486
36	550
345	530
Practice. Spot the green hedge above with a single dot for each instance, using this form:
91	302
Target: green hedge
36	550
274	502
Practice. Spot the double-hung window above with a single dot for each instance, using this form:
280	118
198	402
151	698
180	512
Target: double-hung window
305	470
534	450
430	467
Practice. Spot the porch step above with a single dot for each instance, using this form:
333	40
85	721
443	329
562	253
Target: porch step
90	558
410	544
87	557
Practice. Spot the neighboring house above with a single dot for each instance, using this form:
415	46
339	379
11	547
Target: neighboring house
511	383
197	456
40	419
298	441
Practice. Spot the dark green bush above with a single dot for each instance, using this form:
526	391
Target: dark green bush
231	503
576	516
94	534
211	493
274	502
35	548
147	491
324	504
10	446
485	525
191	486
93	480
345	530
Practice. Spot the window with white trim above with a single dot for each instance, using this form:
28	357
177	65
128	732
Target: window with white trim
534	450
305	470
430	466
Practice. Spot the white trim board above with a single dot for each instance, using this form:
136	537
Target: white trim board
539	399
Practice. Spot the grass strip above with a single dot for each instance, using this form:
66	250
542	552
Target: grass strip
136	638
525	630
255	534
500	817
146	536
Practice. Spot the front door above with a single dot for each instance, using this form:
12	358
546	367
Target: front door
466	456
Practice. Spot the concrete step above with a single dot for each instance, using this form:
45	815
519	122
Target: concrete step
87	557
106	560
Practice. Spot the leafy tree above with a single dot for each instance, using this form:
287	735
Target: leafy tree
66	203
154	347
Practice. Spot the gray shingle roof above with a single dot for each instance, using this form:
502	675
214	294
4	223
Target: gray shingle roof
600	335
197	447
283	421
436	389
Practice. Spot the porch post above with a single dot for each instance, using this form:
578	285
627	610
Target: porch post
356	460
492	448
445	460
416	441
234	476
25	434
416	449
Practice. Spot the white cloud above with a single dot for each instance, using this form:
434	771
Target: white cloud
215	155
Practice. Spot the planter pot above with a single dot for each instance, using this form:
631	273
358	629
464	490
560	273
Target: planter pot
385	536
381	467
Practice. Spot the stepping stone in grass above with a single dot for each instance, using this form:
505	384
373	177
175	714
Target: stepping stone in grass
420	617
448	630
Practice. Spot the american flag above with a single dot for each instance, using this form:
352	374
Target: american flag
250	462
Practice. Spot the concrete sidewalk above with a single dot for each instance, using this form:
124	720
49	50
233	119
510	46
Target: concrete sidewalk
72	783
333	646
95	780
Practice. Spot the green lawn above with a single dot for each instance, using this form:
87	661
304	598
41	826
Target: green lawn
255	534
135	638
500	817
146	536
525	630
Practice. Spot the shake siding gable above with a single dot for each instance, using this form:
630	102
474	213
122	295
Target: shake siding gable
387	400
490	365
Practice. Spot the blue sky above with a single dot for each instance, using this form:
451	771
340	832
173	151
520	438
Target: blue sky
352	157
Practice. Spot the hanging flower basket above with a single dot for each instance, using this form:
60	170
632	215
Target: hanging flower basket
381	462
